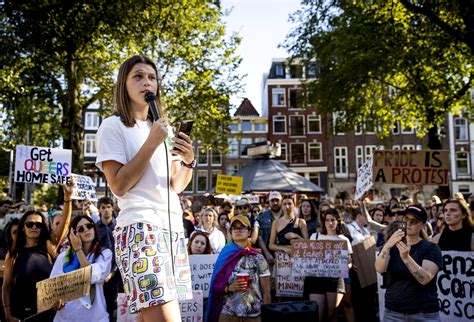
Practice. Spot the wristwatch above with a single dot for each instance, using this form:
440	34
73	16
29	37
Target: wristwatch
191	165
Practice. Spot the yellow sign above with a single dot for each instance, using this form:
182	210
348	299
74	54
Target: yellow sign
231	185
66	287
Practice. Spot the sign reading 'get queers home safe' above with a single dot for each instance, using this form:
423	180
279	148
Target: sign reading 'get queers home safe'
426	167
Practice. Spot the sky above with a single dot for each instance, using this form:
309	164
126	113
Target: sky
263	25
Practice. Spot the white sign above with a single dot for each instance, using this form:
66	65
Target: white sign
364	178
286	283
84	188
42	165
202	267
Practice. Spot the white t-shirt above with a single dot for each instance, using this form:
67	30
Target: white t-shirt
216	239
146	202
358	235
319	236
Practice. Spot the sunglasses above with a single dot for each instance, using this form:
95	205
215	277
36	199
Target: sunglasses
31	224
84	228
242	207
239	228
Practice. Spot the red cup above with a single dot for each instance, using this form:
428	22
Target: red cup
243	277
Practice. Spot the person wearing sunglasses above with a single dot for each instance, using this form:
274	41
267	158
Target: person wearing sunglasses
411	266
85	249
240	283
31	260
242	207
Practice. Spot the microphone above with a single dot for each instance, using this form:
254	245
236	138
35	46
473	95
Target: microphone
150	98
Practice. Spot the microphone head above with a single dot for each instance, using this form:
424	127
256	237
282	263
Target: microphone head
149	96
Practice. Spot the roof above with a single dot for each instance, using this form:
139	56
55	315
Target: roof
246	109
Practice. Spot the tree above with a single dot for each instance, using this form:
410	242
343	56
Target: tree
388	61
61	56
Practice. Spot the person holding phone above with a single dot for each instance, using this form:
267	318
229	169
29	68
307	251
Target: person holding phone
411	267
135	153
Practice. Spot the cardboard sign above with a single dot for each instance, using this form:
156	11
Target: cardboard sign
364	259
42	165
321	258
455	288
286	284
202	267
364	178
411	167
84	188
191	310
229	184
67	287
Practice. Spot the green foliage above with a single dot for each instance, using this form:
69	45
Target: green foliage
61	56
387	61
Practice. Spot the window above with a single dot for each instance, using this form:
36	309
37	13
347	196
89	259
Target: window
312	70
279	70
314	123
358	129
297	125
396	128
462	163
102	182
278	97
460	129
246	126
369	151
214	174
297	153
259	139
369	126
314	178
234	127
231	169
338	122
296	71
91	121
216	158
279	124
233	148
244	143
315	153
359	149
89	145
283	152
202	158
296	100
189	187
201	180
408	130
340	162
408	147
260	127
396	147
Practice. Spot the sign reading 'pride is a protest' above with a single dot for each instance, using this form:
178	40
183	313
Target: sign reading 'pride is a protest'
42	165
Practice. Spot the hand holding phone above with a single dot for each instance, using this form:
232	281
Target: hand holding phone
184	127
403	227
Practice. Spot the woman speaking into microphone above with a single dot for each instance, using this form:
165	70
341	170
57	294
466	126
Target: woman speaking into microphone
146	171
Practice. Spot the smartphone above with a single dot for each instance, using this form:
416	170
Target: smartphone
403	226
185	127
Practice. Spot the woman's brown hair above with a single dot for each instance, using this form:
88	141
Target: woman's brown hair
335	213
464	207
121	98
196	233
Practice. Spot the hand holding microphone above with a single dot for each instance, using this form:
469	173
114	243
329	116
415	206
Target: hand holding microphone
160	128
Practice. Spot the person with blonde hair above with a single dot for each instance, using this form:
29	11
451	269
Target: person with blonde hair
208	224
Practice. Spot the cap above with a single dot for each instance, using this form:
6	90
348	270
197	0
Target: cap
242	202
418	212
275	195
242	219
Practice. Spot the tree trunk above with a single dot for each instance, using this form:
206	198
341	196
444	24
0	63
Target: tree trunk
434	142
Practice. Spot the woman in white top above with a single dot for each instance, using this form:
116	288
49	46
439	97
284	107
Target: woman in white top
208	221
328	291
357	228
85	250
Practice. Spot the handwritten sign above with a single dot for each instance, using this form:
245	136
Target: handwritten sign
202	267
66	287
321	258
287	284
229	184
364	178
411	167
84	188
42	165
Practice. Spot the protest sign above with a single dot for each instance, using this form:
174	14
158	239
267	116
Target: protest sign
364	178
411	167
67	287
455	288
286	284
202	267
364	259
321	258
84	188
42	165
229	184
191	310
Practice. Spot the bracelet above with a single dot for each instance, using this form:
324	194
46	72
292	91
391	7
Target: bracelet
67	200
